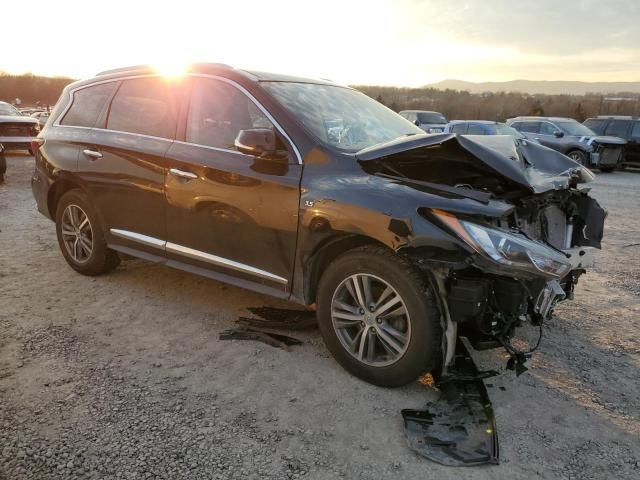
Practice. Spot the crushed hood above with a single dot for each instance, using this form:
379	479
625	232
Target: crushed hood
604	140
498	164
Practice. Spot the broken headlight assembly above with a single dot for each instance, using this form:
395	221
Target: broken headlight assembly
507	249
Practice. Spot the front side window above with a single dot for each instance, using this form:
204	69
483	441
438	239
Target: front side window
217	113
87	105
618	128
343	118
547	128
146	106
502	129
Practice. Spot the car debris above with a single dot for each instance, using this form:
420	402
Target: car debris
459	429
264	329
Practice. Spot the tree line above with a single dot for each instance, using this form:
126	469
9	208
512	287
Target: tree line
454	104
32	89
499	106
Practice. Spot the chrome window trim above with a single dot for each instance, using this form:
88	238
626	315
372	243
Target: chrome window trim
56	122
196	255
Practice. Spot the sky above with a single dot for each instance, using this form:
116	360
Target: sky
383	42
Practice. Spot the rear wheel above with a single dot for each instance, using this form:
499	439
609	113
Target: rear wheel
578	156
80	236
378	316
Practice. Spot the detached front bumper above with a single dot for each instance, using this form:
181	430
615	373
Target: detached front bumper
605	156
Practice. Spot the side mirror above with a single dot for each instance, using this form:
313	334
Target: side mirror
259	142
416	123
558	134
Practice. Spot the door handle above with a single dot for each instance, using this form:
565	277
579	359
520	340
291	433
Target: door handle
182	174
92	153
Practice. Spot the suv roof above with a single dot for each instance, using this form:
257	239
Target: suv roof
616	117
484	122
533	117
419	111
211	68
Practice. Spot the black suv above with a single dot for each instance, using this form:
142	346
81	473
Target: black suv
313	192
625	127
573	139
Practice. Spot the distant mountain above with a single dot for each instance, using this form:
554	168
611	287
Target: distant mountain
540	86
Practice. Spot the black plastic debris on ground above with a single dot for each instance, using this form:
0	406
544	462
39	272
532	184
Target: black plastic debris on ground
264	329
459	429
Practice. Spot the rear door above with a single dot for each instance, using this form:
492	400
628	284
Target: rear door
123	162
229	215
633	146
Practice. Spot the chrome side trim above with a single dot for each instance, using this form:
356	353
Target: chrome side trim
197	255
138	237
223	262
56	122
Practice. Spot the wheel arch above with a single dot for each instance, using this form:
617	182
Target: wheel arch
325	253
57	190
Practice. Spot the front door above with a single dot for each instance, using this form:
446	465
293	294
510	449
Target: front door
231	215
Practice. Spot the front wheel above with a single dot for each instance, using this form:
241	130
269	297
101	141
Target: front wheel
80	236
578	156
378	317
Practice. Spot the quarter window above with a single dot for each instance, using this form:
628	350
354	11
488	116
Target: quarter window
146	106
87	105
618	128
217	113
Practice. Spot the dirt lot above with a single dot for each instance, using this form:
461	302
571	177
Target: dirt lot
123	376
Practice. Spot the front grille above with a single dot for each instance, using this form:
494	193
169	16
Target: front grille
16	130
609	155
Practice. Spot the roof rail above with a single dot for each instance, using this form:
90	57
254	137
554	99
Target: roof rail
617	117
153	68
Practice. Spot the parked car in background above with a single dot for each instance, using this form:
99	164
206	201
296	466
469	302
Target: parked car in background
314	192
482	127
42	117
430	122
625	127
572	138
16	130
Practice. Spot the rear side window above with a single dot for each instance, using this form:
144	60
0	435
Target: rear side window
635	133
459	128
217	113
529	127
87	105
146	106
596	125
618	128
475	129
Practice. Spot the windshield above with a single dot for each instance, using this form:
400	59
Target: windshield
6	109
575	129
341	117
503	129
431	117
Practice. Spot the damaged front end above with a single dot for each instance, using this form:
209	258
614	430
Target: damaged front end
524	252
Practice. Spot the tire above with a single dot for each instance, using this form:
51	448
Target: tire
607	169
578	156
420	326
94	259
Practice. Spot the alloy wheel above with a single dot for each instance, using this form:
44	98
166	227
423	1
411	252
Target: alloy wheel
370	320
77	234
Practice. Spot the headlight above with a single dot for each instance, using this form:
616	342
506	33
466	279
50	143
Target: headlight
510	250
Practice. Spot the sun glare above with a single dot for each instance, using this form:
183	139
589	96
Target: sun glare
171	67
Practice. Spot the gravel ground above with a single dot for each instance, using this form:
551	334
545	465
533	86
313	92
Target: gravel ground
123	376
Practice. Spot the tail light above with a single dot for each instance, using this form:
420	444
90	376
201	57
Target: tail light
36	143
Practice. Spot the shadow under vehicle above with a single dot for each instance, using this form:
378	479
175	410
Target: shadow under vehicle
313	192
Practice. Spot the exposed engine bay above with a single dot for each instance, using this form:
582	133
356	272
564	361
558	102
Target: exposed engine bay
533	237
